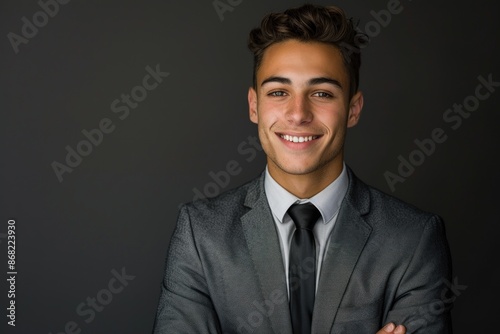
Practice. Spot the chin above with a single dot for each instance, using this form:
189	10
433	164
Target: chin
295	169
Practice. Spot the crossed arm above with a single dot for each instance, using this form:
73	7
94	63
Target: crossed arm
186	304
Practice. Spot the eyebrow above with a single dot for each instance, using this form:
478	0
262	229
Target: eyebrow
281	80
311	82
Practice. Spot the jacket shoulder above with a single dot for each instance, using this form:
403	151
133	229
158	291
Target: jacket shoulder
225	207
385	209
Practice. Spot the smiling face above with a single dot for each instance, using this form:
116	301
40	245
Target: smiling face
302	107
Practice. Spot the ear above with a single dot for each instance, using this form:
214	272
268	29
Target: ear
355	107
252	105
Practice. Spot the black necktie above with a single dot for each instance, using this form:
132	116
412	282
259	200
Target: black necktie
302	267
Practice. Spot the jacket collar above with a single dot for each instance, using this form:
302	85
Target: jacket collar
347	241
263	245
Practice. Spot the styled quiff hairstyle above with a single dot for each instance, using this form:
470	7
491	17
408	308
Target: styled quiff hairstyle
310	23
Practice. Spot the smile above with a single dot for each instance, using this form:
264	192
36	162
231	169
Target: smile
298	139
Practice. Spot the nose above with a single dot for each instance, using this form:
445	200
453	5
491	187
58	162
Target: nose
299	111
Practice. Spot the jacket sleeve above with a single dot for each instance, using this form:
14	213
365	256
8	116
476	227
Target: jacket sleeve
185	305
426	293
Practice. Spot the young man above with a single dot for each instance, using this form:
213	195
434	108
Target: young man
306	247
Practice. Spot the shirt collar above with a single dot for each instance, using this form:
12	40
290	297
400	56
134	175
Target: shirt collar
327	201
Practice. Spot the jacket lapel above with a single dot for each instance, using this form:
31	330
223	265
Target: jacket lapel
347	241
264	247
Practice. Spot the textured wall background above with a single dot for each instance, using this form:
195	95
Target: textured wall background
67	70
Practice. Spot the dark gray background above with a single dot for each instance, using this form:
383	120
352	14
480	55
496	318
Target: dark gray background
117	209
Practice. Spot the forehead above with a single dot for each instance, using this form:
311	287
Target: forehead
297	59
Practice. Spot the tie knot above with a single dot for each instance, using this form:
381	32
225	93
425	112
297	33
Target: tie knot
304	215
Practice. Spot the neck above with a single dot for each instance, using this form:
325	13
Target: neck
306	185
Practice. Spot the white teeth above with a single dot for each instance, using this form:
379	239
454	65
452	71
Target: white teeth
297	139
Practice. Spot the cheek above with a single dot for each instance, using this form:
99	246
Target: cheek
264	131
333	121
267	116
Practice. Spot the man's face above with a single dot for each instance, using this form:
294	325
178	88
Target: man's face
302	107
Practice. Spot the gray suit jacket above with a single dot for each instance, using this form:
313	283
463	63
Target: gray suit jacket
386	261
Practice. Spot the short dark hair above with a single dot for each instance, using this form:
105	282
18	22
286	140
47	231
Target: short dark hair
311	23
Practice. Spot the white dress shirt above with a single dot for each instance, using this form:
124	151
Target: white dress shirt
328	203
